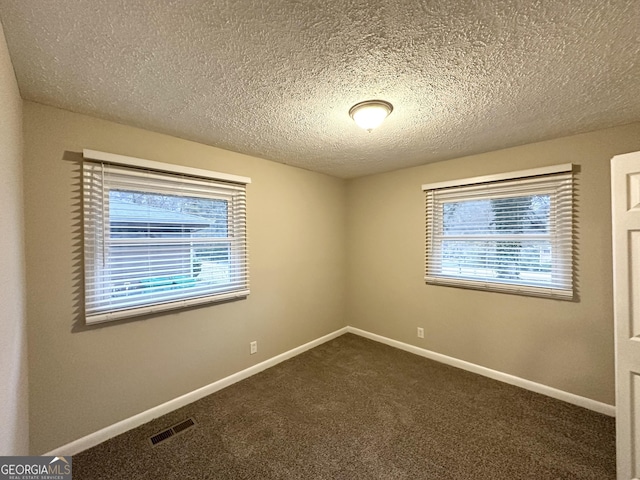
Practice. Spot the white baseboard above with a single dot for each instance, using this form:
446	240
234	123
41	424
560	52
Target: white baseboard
127	424
496	375
130	423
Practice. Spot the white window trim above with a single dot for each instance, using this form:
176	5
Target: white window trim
488	182
162	167
532	172
111	158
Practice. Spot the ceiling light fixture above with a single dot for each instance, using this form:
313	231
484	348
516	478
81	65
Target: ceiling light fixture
370	114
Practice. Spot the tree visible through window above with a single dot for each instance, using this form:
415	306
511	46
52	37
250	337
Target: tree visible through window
480	238
510	235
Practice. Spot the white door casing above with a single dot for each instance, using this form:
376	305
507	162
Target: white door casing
625	199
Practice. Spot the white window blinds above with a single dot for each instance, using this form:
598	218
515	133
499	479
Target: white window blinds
158	240
512	235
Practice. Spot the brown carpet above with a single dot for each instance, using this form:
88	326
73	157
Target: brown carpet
357	409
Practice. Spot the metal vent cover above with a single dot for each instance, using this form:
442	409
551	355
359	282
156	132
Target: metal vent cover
172	431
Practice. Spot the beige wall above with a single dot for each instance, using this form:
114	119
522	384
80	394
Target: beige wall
84	379
14	432
566	345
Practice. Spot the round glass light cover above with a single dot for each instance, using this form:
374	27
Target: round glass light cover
369	115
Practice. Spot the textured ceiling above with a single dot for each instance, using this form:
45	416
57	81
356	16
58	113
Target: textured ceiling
276	79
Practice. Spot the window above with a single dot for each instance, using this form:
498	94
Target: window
510	233
159	237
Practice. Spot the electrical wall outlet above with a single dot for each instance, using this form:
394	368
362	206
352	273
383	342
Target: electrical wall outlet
254	347
420	332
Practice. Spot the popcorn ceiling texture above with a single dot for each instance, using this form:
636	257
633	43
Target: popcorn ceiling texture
276	79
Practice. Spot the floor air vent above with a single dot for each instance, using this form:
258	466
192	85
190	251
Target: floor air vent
171	431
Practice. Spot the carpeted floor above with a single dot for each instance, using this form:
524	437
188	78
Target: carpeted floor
357	409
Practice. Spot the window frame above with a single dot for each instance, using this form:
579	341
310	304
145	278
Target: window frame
98	232
560	235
